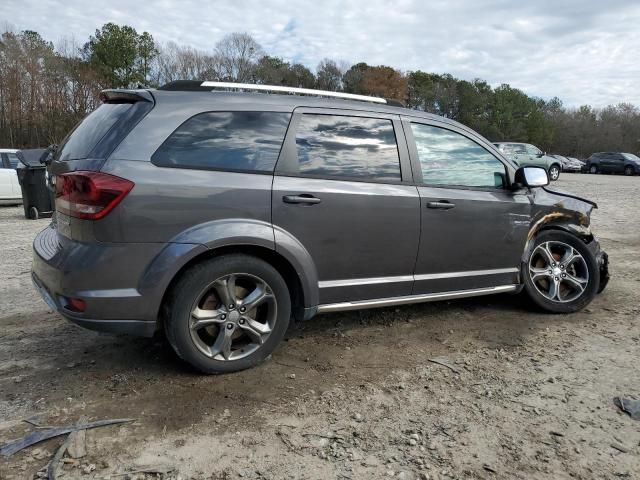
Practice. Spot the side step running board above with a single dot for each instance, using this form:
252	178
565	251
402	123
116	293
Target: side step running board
426	297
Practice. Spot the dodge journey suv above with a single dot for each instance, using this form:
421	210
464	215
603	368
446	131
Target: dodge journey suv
218	216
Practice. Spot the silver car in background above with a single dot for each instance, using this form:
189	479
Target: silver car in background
527	155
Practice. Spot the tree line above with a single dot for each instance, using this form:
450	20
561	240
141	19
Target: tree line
45	89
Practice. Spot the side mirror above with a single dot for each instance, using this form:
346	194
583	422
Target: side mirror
531	177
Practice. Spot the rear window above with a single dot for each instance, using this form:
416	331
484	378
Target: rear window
82	140
350	148
233	141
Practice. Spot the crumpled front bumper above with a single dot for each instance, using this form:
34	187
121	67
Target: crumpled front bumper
603	263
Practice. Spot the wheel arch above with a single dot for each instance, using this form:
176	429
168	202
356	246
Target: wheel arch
273	258
559	222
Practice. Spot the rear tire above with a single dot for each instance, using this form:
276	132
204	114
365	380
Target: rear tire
561	275
228	313
593	169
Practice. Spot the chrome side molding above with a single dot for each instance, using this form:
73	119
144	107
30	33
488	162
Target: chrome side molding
409	299
409	278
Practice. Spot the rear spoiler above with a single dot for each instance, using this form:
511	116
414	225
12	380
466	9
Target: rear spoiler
125	96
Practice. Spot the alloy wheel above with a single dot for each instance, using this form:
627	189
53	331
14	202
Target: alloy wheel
233	316
558	271
554	173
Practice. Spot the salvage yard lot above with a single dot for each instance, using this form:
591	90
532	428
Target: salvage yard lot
522	394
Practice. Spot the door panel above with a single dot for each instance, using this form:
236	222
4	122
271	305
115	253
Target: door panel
362	237
473	227
343	189
477	243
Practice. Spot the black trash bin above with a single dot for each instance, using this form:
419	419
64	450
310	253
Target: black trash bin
32	175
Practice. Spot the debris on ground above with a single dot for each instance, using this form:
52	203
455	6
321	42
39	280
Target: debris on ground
41	435
443	362
630	406
77	441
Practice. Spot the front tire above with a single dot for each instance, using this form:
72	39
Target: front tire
629	170
561	275
228	313
593	169
554	172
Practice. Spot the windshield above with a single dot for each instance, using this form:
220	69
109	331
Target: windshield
631	156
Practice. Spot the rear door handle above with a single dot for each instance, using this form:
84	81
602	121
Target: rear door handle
442	205
304	198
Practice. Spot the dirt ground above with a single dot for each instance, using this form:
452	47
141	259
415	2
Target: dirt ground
525	395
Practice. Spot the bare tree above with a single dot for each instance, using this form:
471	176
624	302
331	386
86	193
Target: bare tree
175	62
329	75
238	54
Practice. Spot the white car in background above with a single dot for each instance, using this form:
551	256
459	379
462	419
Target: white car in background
10	193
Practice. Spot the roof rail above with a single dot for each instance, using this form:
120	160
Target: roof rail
300	91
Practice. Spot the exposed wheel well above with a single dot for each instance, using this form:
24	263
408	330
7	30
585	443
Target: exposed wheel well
567	228
270	256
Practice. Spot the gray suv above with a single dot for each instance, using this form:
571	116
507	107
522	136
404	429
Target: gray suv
218	216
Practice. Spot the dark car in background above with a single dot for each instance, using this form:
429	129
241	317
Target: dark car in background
216	217
613	162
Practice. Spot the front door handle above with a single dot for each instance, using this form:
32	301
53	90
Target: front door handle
304	198
442	205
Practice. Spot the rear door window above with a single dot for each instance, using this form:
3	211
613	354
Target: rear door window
347	148
230	141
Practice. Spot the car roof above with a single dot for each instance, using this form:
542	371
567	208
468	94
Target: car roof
8	150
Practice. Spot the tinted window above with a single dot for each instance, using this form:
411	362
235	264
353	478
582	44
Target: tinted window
631	156
517	148
13	160
448	158
242	141
357	148
91	130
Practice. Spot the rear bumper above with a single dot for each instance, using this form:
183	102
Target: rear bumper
139	328
105	276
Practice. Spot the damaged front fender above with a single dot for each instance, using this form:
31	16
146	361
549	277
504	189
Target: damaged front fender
560	211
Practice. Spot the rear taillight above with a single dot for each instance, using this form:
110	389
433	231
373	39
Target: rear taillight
89	195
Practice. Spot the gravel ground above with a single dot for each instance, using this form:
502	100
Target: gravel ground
354	395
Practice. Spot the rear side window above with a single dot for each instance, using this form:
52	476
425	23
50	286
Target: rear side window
82	140
448	158
343	147
234	141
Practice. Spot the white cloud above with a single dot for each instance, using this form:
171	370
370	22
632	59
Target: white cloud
581	51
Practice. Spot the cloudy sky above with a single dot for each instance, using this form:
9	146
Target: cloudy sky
583	51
